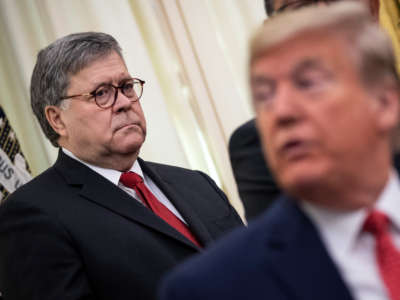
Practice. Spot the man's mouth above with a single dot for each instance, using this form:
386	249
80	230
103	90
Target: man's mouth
294	149
128	125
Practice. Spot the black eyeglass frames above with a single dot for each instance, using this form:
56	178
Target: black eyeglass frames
106	94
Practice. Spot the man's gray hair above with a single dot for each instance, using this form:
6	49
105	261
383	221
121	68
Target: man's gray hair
348	20
57	63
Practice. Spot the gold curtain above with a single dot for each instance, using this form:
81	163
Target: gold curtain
389	17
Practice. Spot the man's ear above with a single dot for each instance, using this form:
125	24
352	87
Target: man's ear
374	9
388	107
53	116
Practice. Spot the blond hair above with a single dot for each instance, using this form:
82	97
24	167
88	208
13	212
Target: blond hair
348	20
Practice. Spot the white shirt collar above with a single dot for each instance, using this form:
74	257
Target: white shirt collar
389	201
110	174
114	176
339	230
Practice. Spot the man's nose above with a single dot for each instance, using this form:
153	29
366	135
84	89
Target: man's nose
286	108
122	102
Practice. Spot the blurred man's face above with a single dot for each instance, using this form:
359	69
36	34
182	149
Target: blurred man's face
316	119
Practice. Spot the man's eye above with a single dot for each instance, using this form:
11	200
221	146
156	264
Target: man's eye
128	86
312	80
262	96
263	93
307	83
102	92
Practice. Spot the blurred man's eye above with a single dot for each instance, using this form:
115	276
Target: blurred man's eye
262	96
263	93
312	80
263	89
307	83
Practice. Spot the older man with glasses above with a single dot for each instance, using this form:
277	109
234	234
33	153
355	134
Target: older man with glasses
101	223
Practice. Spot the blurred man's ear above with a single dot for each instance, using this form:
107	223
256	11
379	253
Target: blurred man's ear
388	106
374	8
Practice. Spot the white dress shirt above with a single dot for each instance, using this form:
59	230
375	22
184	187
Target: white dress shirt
353	250
114	176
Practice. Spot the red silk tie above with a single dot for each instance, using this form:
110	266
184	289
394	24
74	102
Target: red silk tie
388	257
134	181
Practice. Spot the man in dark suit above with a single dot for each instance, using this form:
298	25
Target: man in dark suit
257	187
101	223
326	96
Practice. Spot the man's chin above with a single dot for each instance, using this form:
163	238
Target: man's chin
129	146
298	182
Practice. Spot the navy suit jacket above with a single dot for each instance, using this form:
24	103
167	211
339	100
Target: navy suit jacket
256	185
72	234
280	256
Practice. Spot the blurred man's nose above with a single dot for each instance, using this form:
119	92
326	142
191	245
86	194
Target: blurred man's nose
286	107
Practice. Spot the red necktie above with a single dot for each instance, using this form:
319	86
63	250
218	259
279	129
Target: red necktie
388	257
134	181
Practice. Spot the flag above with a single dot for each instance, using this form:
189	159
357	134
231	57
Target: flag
14	170
389	17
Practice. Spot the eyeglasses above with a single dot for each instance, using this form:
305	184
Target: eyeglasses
299	4
106	94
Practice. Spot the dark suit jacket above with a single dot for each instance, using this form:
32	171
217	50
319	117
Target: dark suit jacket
257	187
72	234
280	256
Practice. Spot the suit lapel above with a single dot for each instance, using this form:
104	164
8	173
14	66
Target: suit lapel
179	201
96	188
300	259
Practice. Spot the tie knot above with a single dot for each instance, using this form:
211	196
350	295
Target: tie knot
130	179
376	222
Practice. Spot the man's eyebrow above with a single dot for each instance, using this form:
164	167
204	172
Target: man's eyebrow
260	79
308	64
96	86
123	78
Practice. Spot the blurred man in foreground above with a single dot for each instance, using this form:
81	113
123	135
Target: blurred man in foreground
326	95
101	223
257	187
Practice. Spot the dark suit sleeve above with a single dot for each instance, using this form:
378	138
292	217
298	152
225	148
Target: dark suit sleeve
223	196
256	185
38	256
172	290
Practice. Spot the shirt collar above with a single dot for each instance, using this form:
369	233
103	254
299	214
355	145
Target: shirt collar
389	201
110	174
339	230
